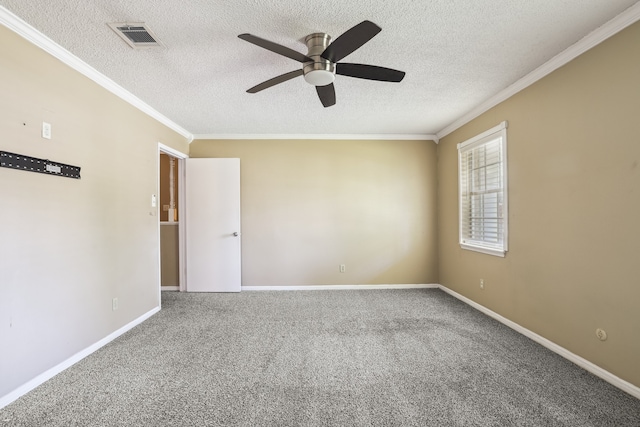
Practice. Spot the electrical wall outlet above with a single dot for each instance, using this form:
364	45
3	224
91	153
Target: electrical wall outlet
343	268
481	283
601	334
114	304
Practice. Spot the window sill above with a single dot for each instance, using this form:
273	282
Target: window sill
484	250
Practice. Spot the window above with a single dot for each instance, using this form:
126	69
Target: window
482	168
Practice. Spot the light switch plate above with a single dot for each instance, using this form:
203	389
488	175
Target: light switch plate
46	130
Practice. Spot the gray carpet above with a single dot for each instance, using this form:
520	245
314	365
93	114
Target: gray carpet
323	358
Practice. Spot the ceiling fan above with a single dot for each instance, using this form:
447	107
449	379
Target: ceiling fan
321	63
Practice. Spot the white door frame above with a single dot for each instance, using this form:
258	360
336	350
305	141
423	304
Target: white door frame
181	212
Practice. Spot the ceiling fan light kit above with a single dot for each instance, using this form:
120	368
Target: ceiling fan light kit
319	72
321	63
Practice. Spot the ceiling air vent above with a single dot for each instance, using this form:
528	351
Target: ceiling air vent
136	34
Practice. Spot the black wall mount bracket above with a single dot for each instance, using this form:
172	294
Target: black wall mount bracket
33	164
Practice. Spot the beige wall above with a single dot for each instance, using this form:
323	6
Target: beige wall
309	206
67	247
574	207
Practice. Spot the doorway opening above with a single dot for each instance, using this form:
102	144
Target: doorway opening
171	228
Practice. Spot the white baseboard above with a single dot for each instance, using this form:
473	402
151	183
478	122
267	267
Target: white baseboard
583	363
335	287
169	288
27	387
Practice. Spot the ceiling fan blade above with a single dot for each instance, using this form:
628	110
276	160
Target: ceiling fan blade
369	72
275	47
327	94
274	81
350	40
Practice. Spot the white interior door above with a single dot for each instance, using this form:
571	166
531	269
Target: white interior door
213	225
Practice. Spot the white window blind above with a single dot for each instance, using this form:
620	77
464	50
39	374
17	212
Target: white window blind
482	177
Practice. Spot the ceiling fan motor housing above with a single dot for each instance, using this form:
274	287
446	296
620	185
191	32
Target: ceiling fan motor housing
320	72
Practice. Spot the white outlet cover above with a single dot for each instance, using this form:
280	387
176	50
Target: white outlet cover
601	334
46	130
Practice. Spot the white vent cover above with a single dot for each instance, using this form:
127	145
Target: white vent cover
136	34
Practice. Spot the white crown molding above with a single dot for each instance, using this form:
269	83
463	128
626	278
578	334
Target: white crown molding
559	350
628	17
597	36
370	137
17	25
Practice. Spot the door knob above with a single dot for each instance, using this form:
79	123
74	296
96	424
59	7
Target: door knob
236	234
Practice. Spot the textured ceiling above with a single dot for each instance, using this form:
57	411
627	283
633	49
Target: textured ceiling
456	53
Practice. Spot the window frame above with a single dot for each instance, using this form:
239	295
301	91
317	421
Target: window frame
489	136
